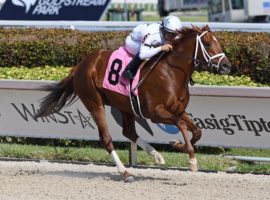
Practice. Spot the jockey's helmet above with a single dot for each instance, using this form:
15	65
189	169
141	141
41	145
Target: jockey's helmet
169	27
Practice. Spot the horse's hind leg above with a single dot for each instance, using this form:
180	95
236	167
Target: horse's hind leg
106	139
129	131
98	112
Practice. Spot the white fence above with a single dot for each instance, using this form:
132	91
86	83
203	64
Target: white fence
128	25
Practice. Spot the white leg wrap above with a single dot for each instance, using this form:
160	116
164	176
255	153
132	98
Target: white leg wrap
118	163
193	164
150	150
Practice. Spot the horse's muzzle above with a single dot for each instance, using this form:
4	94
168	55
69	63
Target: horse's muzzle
225	68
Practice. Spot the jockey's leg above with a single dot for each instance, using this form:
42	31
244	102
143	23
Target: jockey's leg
132	67
193	166
129	131
99	116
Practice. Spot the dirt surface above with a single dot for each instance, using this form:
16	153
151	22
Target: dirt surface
54	181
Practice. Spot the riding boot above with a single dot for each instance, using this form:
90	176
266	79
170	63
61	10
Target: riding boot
132	67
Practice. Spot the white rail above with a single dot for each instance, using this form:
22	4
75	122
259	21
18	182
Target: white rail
249	159
127	25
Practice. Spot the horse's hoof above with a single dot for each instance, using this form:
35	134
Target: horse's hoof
193	165
128	178
178	145
159	159
173	143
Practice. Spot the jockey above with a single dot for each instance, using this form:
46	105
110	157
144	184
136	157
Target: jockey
146	41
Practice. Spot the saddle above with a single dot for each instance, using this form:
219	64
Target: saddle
114	81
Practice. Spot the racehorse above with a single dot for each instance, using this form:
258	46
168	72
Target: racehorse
170	77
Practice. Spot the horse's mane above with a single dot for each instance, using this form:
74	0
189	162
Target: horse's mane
186	31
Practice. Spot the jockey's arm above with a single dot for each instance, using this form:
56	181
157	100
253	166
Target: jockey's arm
147	51
151	47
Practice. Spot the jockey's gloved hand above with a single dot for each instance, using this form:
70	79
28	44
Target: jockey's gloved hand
166	47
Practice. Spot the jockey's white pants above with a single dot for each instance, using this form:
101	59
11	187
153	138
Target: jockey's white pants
133	47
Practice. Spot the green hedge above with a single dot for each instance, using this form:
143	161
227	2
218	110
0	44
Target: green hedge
60	72
51	47
248	52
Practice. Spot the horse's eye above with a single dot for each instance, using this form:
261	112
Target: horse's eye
207	46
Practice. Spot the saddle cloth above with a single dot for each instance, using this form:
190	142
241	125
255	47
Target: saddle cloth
113	79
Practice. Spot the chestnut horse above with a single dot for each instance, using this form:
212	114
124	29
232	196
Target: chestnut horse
170	77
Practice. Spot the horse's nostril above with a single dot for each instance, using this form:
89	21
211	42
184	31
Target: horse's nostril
225	68
229	65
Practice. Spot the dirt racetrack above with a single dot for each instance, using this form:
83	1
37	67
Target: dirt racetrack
54	181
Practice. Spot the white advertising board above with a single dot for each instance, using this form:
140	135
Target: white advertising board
228	117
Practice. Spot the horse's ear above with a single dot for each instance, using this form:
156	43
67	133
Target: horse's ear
207	28
195	28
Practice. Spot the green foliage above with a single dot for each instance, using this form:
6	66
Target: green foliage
37	73
206	78
60	72
249	53
54	47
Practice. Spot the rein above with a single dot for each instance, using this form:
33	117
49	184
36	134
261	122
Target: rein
196	62
191	81
148	71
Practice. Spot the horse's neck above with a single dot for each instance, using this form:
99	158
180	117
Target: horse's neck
172	74
180	65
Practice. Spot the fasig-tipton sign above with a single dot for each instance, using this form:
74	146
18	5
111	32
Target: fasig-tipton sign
85	10
228	117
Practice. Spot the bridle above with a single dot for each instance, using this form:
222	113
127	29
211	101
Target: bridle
207	58
206	55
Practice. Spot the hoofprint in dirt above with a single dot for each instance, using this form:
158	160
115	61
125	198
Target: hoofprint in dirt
54	181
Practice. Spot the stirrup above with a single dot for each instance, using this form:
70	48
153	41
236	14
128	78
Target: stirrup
128	74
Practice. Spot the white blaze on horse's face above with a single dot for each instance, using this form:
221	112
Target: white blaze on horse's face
207	56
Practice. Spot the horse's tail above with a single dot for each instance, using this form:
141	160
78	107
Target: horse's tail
61	94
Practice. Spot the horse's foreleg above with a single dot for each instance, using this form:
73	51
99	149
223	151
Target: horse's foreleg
129	131
162	113
196	132
106	140
182	125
